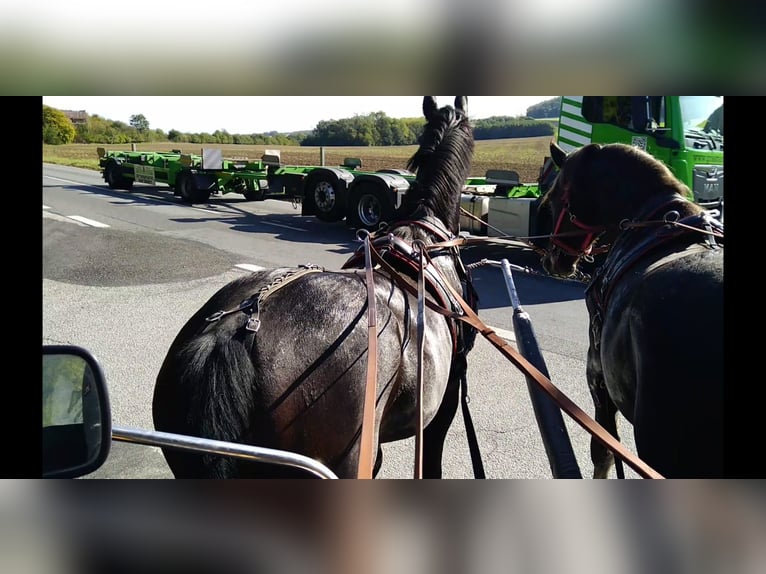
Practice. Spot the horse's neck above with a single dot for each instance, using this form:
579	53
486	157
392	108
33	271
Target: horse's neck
659	205
424	227
652	208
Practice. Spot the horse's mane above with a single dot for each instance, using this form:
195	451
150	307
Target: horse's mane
650	171
442	163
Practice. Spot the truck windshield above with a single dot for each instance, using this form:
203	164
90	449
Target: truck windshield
702	114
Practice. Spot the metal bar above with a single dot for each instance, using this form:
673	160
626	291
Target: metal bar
554	433
223	448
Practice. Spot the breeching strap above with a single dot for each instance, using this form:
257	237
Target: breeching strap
367	442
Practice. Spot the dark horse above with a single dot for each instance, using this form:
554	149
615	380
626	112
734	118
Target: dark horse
279	358
655	304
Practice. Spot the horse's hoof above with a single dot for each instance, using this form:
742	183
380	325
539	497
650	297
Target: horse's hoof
601	471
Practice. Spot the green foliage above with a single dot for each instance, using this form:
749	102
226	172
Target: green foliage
62	389
371	130
375	129
57	128
546	109
504	127
139	122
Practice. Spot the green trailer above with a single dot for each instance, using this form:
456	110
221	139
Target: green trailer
196	177
330	193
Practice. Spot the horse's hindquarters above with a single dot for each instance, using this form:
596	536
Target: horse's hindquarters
298	383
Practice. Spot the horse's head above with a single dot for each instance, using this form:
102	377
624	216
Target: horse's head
576	225
598	187
442	163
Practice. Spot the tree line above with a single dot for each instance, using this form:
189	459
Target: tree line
374	129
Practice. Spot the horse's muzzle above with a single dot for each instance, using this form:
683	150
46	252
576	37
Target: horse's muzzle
559	264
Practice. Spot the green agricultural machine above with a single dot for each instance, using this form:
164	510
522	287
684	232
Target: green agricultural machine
330	193
685	132
196	177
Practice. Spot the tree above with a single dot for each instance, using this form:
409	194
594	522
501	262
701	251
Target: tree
57	128
545	109
139	122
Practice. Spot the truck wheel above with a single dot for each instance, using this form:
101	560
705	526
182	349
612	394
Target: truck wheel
188	189
370	207
325	191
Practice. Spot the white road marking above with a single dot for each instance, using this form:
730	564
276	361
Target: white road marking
509	336
73	182
87	221
45	206
163	200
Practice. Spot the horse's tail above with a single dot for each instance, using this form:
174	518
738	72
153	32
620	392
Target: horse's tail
214	376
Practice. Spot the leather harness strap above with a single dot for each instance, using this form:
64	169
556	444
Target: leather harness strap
590	425
367	441
421	328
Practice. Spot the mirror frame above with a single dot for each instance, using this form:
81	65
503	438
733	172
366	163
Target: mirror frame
99	381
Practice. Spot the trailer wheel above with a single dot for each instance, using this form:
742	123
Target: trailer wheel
370	206
188	190
326	193
114	178
254	194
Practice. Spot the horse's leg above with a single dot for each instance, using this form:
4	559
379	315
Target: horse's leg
435	434
378	462
606	414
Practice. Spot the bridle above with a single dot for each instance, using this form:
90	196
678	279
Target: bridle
591	233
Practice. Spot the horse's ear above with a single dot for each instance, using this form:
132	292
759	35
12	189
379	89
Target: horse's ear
461	103
558	154
429	106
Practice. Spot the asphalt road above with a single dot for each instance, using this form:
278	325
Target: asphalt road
123	271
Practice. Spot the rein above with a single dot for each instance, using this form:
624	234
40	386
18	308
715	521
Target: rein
416	258
467	315
367	440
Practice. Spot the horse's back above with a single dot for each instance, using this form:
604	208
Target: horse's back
298	383
664	338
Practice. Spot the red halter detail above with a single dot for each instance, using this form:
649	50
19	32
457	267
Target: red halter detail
591	232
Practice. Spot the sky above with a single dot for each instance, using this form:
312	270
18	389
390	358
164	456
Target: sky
261	114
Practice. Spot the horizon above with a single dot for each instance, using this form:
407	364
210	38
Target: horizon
286	114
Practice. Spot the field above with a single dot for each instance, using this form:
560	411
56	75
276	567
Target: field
523	155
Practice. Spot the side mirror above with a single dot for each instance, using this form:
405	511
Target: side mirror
77	420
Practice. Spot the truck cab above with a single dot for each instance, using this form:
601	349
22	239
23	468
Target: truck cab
684	132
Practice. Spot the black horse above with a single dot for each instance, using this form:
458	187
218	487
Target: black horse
279	358
655	304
